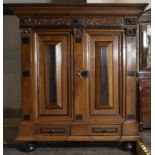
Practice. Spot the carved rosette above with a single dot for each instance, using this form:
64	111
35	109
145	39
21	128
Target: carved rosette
88	21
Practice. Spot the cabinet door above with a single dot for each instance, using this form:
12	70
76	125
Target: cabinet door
104	65
54	74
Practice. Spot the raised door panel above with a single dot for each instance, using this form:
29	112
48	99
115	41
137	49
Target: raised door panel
54	74
105	78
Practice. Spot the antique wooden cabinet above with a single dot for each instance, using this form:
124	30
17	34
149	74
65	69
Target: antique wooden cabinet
144	70
78	72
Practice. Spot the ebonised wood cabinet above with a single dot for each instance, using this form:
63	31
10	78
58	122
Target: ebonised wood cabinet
78	71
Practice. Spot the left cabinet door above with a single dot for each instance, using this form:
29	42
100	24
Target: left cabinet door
51	55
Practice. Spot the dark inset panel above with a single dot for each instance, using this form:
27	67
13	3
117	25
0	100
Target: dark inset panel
104	75
52	75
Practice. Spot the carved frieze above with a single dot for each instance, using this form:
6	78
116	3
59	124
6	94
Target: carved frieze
84	21
48	21
130	21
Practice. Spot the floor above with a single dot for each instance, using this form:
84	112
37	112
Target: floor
71	150
146	136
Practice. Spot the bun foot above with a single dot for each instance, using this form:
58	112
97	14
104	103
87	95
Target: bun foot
128	146
28	147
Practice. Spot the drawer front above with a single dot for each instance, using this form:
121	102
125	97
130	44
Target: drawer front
102	130
146	93
146	117
53	130
105	130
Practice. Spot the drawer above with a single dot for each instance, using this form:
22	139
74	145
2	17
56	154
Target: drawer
146	93
145	82
53	130
146	117
105	130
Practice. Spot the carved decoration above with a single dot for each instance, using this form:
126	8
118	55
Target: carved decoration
105	21
131	32
88	21
25	34
55	21
78	34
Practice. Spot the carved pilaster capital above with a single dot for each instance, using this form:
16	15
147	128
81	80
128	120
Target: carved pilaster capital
130	25
25	34
130	32
25	22
78	33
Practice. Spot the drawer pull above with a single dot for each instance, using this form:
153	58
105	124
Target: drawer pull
104	130
52	130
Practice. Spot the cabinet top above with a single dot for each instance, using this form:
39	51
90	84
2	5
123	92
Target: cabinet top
130	9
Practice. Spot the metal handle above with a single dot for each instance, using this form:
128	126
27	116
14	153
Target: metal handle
83	74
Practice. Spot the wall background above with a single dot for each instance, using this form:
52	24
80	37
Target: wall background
11	66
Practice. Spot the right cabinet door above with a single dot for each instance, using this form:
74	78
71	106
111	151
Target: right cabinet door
104	86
